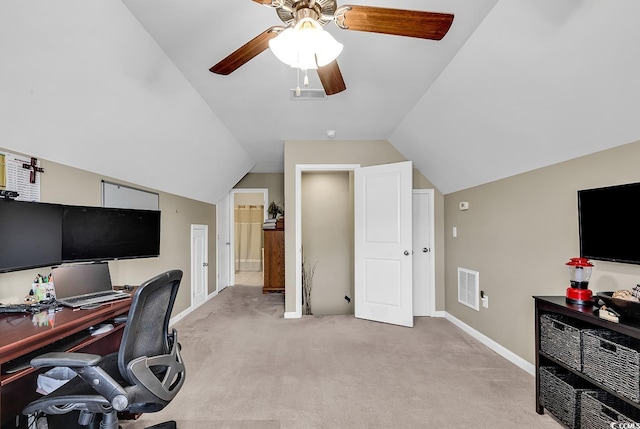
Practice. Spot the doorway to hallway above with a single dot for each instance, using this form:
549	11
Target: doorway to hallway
250	278
247	212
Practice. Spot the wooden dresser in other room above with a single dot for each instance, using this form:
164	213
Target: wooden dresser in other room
274	258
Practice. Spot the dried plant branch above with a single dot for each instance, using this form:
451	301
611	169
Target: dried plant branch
307	284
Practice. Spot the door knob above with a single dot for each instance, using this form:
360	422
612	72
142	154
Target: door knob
406	253
205	264
425	250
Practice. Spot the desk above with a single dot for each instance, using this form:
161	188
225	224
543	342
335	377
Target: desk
25	333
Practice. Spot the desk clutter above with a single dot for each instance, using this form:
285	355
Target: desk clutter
79	286
29	308
41	297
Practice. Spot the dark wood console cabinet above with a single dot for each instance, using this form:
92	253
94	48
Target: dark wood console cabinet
584	314
274	259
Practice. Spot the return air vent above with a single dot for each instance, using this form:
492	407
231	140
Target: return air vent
308	94
469	288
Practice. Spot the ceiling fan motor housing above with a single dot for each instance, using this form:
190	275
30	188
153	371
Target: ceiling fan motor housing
292	11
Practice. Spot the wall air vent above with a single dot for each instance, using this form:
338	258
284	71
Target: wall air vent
469	288
308	94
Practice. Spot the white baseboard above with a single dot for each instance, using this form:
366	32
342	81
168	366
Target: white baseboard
184	313
292	315
496	347
179	316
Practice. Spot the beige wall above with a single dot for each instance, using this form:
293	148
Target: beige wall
66	185
364	153
519	232
248	199
274	182
327	239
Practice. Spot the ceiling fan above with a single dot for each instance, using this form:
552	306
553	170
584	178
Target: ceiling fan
398	22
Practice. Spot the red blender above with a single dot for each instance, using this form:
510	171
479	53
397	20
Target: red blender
579	273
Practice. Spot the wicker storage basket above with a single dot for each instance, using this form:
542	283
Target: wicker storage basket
561	394
613	360
600	410
560	337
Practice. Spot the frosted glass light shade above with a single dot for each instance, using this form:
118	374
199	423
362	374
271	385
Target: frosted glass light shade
305	46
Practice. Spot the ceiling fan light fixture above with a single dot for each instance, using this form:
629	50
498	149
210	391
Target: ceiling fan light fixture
327	48
305	46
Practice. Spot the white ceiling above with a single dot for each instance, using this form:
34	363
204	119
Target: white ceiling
511	88
515	85
385	75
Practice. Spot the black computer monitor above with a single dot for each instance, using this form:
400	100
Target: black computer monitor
30	235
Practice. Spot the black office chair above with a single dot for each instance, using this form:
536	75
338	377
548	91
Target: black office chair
142	377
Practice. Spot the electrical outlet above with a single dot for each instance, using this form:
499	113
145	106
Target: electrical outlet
485	301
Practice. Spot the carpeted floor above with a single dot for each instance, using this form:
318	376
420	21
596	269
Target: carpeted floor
248	368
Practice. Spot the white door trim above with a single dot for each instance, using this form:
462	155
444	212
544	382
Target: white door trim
232	238
432	259
300	168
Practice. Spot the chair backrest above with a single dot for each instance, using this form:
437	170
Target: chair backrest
147	330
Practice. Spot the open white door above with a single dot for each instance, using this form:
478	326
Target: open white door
383	235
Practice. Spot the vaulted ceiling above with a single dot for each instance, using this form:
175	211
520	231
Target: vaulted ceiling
123	89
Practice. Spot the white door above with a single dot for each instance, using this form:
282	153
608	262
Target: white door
383	263
423	291
199	264
224	244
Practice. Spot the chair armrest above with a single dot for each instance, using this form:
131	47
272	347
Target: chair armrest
86	366
105	385
140	370
70	360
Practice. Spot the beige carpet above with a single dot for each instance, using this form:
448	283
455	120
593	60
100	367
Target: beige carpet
248	368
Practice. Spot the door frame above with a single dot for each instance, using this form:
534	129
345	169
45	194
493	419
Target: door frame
232	215
300	168
432	230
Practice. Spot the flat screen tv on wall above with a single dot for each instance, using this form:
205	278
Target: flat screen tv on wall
610	224
30	235
97	233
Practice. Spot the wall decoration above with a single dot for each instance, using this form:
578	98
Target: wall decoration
16	177
3	174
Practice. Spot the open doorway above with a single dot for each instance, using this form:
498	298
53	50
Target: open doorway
311	168
390	176
247	212
327	241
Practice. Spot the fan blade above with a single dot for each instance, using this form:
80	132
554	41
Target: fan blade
399	22
267	2
331	78
246	52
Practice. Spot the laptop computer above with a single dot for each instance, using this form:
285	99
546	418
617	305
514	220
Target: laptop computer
84	285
